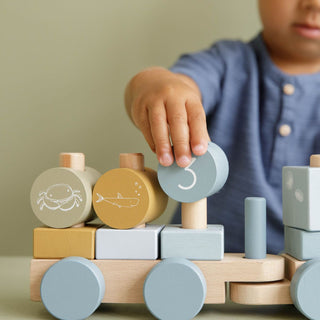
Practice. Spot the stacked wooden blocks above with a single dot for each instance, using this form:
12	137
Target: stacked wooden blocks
61	198
301	205
191	186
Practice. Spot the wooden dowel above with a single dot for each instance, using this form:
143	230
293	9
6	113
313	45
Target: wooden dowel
71	160
132	161
194	214
315	161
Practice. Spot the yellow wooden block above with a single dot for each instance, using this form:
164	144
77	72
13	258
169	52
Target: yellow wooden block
49	243
124	198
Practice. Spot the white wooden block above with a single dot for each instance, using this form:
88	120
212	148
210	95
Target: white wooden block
300	194
136	243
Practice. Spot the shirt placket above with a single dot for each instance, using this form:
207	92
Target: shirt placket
284	130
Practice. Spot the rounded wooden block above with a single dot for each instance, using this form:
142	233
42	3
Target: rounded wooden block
205	176
175	289
72	288
62	197
305	289
124	198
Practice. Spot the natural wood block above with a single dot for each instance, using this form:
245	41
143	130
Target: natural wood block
136	243
124	198
124	279
49	243
291	265
264	293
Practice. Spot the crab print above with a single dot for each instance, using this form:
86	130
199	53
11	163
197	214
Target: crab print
59	197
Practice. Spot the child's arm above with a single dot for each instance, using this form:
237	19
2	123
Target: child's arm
163	104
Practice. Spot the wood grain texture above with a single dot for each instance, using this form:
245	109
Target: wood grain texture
124	279
194	214
291	265
264	293
49	243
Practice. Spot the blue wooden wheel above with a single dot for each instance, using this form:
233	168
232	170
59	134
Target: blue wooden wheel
175	289
72	289
305	289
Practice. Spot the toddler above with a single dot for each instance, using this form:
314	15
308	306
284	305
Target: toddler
259	101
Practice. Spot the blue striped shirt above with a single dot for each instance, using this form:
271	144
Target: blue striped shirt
263	119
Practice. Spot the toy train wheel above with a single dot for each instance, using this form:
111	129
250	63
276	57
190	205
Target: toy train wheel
175	289
305	289
72	289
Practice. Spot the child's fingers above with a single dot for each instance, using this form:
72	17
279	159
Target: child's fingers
179	131
160	134
198	127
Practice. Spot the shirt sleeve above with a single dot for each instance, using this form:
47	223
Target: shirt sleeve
206	68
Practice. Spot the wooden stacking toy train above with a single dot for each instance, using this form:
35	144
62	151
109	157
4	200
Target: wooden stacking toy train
173	269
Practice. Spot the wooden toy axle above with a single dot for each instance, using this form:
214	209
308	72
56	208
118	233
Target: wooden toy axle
125	278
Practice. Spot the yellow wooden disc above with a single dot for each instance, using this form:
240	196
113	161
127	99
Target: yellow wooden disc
124	198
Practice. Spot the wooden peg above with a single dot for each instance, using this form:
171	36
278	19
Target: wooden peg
315	161
132	161
194	214
72	160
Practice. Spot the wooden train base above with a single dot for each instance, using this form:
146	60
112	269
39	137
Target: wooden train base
173	269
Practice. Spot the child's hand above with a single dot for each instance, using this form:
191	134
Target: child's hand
165	105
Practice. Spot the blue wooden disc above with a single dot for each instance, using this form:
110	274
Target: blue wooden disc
72	289
305	289
205	176
175	289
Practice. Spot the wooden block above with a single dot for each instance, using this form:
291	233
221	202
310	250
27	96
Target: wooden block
204	176
305	291
194	244
49	243
72	288
62	197
194	214
301	201
301	244
262	293
124	198
124	279
138	243
291	265
175	289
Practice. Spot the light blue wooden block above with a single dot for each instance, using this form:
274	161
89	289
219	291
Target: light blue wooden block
301	200
305	289
72	289
255	228
205	176
136	243
194	244
301	244
175	289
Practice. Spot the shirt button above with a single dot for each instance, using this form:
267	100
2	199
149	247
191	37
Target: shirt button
285	130
288	89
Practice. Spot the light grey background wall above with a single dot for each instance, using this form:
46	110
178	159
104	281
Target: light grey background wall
64	65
